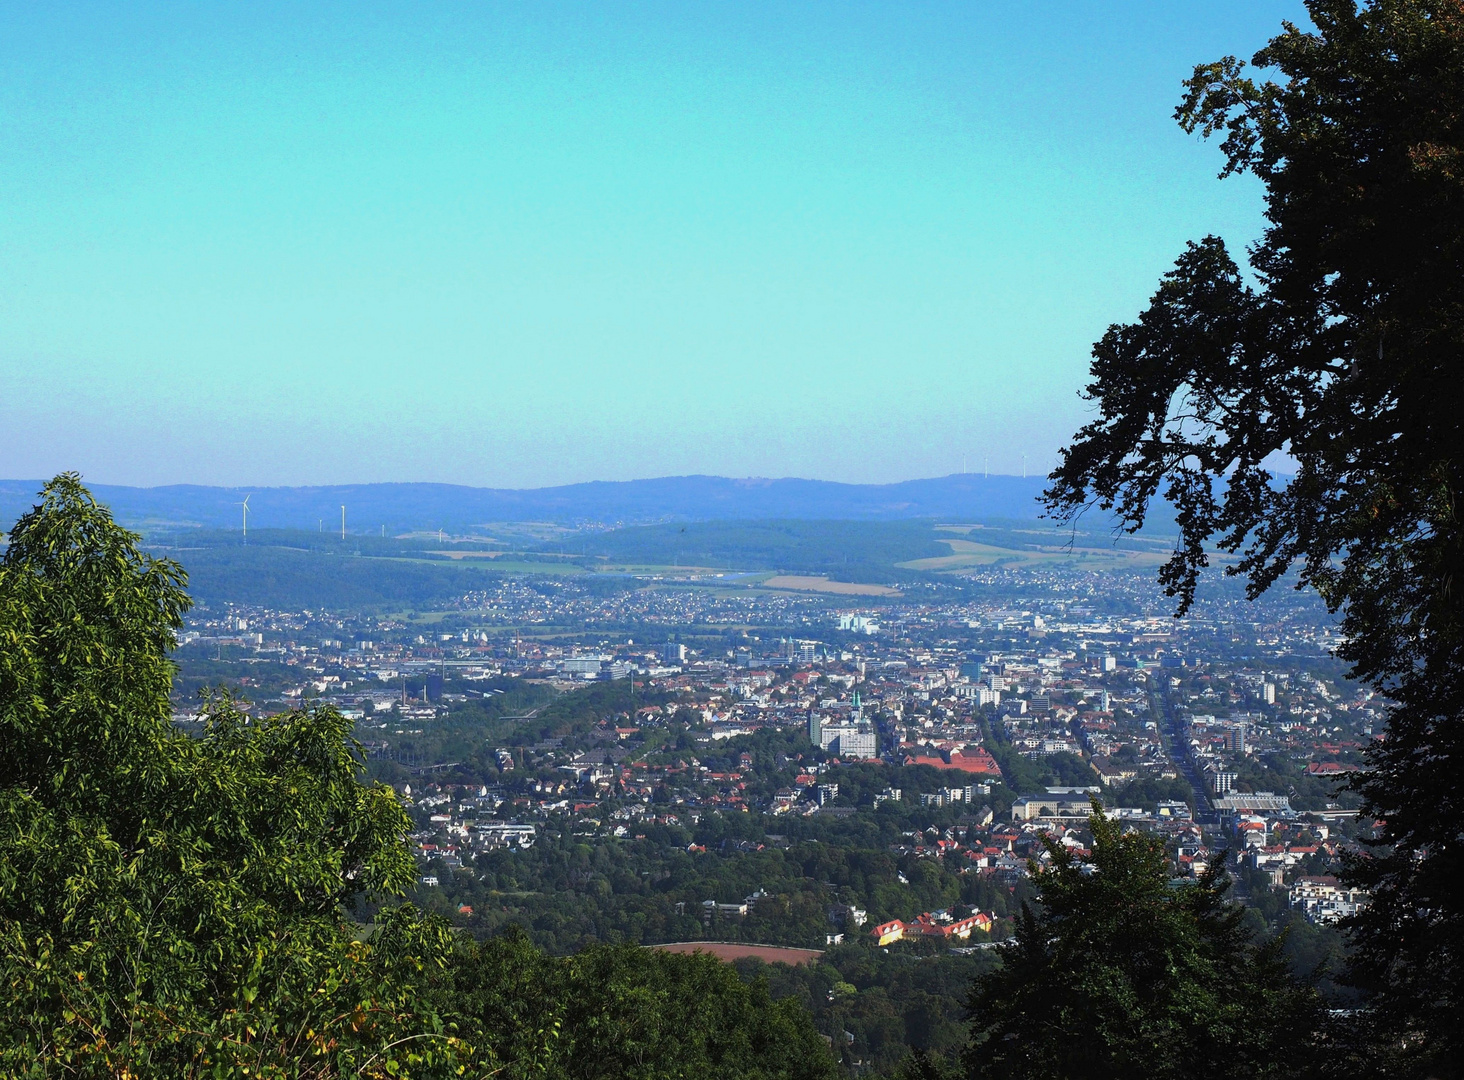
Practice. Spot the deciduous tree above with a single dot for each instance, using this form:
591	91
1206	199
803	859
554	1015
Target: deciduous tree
622	1011
179	906
176	906
1337	353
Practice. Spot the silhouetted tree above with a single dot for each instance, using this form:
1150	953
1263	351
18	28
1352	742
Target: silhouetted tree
1340	352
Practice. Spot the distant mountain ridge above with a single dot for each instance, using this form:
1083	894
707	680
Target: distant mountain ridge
410	506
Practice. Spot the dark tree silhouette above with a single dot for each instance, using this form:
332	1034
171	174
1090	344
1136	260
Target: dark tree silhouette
1340	351
1118	974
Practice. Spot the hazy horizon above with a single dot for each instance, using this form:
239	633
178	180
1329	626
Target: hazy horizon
397	505
974	474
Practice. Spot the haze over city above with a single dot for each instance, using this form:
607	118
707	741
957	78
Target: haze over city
516	246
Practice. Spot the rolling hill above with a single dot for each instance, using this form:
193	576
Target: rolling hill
397	508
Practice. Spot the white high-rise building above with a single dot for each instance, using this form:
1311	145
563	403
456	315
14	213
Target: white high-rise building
857	743
854	737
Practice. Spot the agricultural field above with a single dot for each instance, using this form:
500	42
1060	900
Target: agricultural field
806	583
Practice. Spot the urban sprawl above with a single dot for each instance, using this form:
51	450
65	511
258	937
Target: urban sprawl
991	725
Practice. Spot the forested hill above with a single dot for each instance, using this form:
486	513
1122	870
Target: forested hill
406	507
843	550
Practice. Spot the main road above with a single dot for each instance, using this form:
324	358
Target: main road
1166	717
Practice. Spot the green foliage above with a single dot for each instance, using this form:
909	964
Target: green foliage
575	713
844	550
1339	351
892	1001
1120	974
569	894
620	1011
1279	772
1031	776
1148	791
171	906
471	732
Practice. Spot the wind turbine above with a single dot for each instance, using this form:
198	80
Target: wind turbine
245	505
343	521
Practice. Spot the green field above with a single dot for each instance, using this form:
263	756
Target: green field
965	554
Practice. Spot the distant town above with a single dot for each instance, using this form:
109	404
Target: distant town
1227	732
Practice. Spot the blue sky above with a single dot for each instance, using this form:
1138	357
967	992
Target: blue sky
537	243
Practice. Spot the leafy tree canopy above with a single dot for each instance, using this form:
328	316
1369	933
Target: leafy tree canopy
1119	973
623	1011
169	905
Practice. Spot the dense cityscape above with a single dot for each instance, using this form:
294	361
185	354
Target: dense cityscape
695	744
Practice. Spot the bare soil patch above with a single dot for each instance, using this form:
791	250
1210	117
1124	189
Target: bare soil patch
733	950
802	583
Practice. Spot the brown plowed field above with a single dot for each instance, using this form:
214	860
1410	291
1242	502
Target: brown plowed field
732	950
